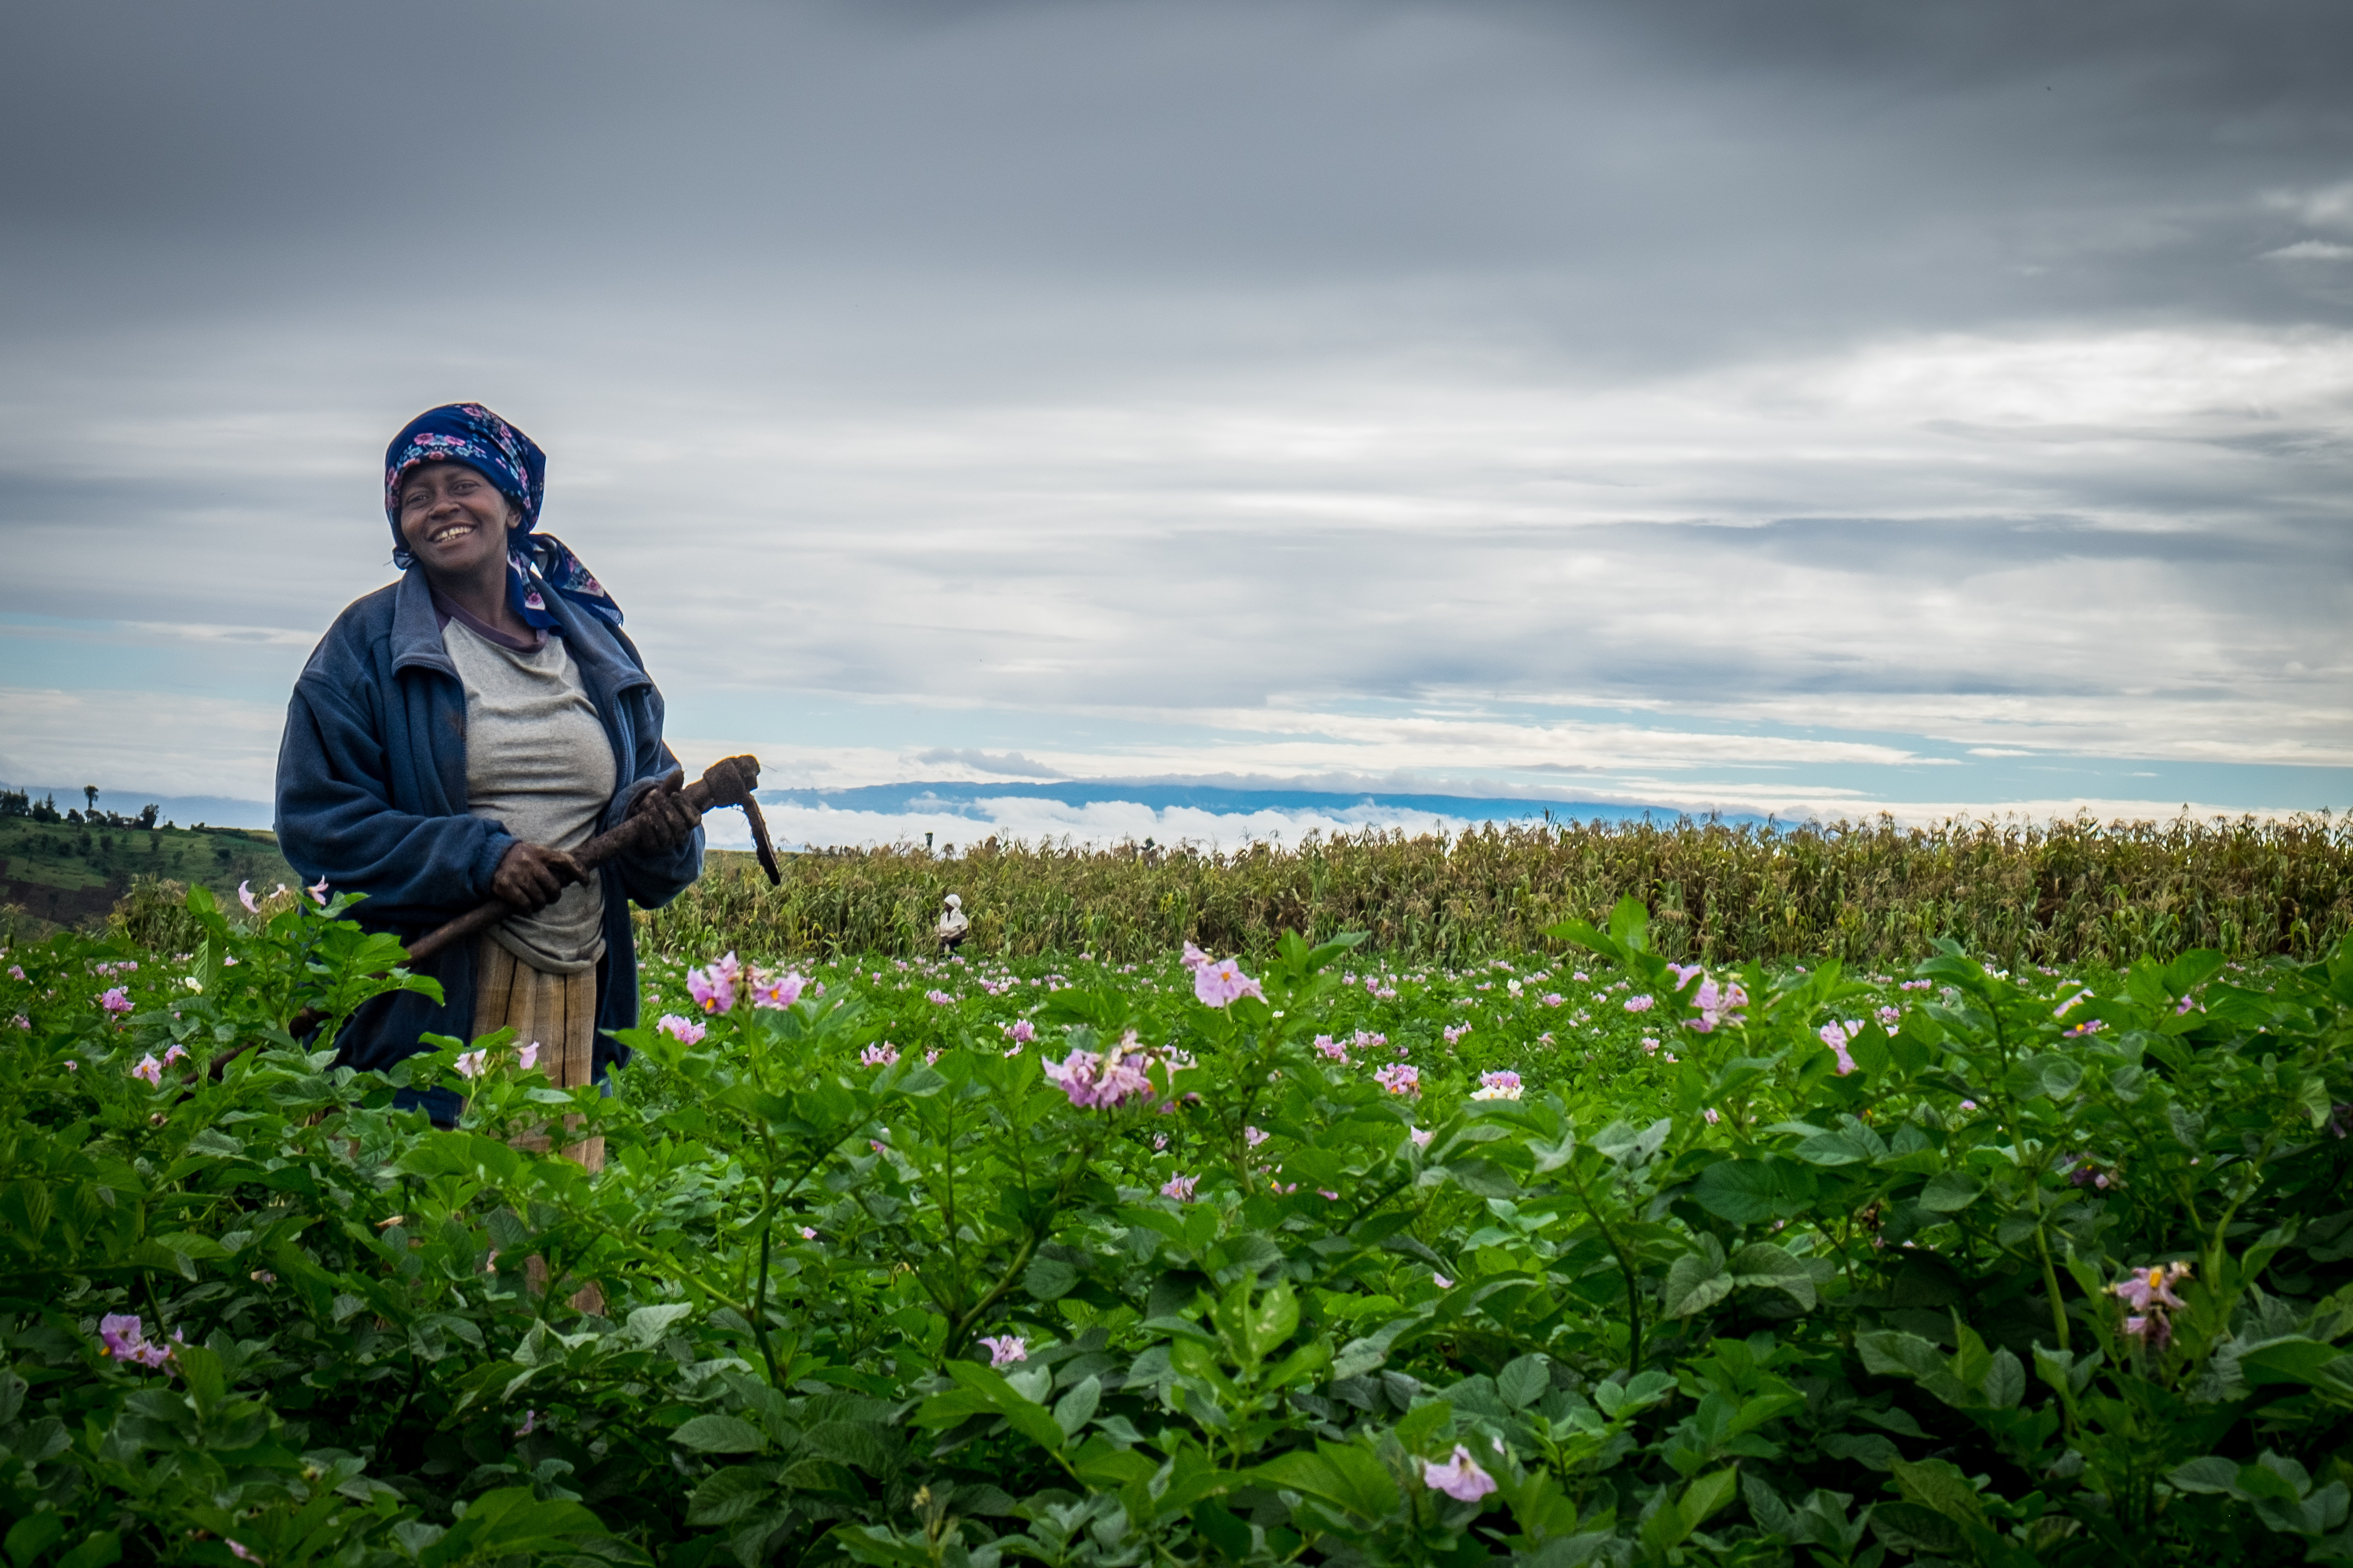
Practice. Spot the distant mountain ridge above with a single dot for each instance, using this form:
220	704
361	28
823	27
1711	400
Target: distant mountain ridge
961	797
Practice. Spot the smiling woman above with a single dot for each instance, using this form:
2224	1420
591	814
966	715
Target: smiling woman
456	734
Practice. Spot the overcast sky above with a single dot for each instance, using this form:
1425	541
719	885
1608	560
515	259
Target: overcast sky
1774	406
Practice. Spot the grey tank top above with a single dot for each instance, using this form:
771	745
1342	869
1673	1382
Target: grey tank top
538	762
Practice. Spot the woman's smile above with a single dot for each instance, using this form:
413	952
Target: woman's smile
455	521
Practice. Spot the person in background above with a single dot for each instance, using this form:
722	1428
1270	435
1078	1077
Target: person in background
953	927
454	736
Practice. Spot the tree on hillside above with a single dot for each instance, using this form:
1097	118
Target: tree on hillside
90	791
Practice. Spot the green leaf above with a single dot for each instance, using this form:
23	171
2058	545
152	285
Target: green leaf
646	1325
1672	1524
32	1535
1099	1464
1765	1505
728	1495
1939	1484
1706	1496
1620	1143
1219	1526
1697	1281
1347	1477
1892	1354
2296	1360
713	1433
1761	1264
1524	1382
1749	1192
2005	1381
1265	1322
1077	1407
994	1394
1843	1147
103	1547
1909	1527
869	1446
1950	1191
1048	1279
2209	1474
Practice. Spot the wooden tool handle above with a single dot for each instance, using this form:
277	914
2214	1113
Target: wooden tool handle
727	782
625	837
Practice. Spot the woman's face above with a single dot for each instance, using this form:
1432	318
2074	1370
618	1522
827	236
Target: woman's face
454	520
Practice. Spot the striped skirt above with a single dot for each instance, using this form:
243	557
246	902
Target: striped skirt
558	1012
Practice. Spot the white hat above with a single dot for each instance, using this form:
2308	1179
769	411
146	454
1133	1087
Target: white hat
954	902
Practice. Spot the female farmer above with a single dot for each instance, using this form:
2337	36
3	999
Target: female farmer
454	735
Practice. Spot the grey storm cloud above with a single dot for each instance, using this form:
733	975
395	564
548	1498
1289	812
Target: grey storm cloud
1147	359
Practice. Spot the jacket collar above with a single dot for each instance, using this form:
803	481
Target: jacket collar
602	663
415	630
417	639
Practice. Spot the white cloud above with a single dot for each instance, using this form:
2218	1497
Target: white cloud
2311	250
139	741
2319	206
1489	393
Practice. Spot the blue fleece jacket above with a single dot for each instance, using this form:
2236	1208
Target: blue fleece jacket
372	796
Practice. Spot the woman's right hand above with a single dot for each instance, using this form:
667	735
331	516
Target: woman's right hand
532	876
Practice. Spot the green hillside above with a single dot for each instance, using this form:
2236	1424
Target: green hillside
65	873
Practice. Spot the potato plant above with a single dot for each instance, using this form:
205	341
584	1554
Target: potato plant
1302	1257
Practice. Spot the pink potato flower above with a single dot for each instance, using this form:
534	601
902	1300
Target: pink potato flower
115	1001
685	1031
528	1058
1222	983
714	989
2146	1289
881	1054
1021	1031
125	1339
1639	1004
1193	958
1459	1477
1180	1188
318	891
1836	1035
1717	1004
245	897
1504	1085
1103	1082
1004	1350
150	1070
471	1064
776	992
1400	1078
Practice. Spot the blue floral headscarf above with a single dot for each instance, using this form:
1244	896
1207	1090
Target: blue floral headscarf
537	562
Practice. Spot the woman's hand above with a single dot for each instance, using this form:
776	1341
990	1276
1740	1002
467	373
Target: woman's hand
674	821
532	876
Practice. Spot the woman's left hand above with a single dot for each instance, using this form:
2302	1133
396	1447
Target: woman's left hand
674	820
